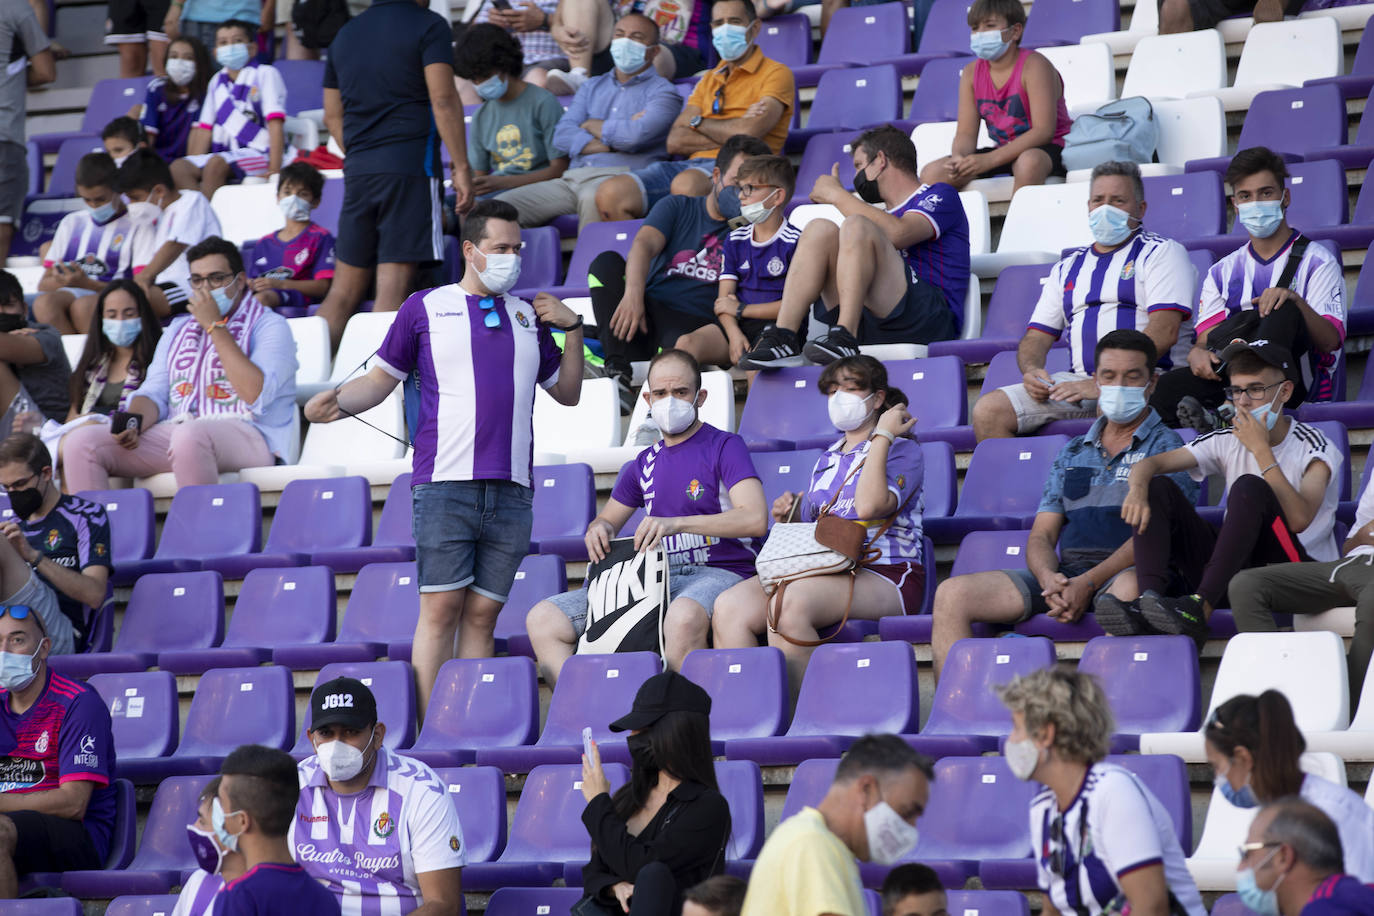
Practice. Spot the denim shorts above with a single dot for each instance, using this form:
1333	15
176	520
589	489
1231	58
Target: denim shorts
656	181
701	584
471	533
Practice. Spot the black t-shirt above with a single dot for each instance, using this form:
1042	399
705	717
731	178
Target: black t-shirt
75	534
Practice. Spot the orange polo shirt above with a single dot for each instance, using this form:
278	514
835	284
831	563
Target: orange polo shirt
753	78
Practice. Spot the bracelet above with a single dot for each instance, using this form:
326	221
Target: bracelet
885	434
34	564
1269	468
739	310
572	327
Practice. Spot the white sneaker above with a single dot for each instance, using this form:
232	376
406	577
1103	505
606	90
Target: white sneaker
566	82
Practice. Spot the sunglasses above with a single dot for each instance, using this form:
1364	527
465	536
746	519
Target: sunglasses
16	611
492	318
718	103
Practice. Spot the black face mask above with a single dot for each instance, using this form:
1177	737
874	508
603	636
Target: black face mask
26	502
9	322
642	752
866	187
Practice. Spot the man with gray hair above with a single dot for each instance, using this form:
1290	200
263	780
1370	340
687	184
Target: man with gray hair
807	867
1292	865
1128	278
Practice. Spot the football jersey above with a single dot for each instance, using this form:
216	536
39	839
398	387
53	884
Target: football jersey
906	468
236	112
116	250
74	535
197	897
760	268
943	259
309	256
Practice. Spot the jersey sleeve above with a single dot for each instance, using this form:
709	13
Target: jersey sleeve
627	490
1211	305
940	205
906	469
436	836
1123	827
550	357
735	463
1210	453
730	258
322	265
1324	287
400	350
1049	308
86	745
436	47
271	93
61	239
666	213
93	543
1169	279
211	105
148	114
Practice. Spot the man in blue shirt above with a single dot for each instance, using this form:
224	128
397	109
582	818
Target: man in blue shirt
617	122
1080	511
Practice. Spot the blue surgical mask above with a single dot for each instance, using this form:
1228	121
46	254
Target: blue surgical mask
988	45
1110	225
121	331
728	202
1263	902
230	841
1121	403
492	88
1243	797
233	57
1268	414
731	41
223	301
1261	218
295	208
17	671
105	212
628	55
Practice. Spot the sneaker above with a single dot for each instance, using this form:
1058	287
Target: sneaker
1176	616
776	347
566	82
838	344
628	393
1119	618
1190	412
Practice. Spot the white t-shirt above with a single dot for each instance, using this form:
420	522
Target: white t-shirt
188	220
1221	452
1364	517
197	896
1354	821
1114	826
236	113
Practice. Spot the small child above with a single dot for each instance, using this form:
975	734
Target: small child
1017	93
292	268
171	106
102	241
121	137
756	257
242	129
913	890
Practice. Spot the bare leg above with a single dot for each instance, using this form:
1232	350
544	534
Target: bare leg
691	183
157	57
869	273
707	344
986	597
994	417
618	198
552	637
476	630
685	628
346	292
1175	16
394	283
6	234
82	312
535	76
9	878
158	300
435	635
1031	167
739	616
54	308
133	59
297	51
215	176
185	175
589	19
812	273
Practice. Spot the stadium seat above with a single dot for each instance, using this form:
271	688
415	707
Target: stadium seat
73	345
1186	206
1065	22
546	830
148	905
718	410
62	180
1360	231
541	261
966	717
304	81
479	703
131	527
528	901
853	98
742	785
822	152
785	472
538	577
587	427
748	689
1308	667
987	903
1144	23
995	494
1166	776
123	839
937	93
1360	316
1231	905
380	620
1152	684
1175	66
945	34
1041	222
848	691
212	520
392	542
591	241
1009	309
52	906
144	713
392	685
313	357
1280	55
1357	83
564	504
1355	743
787	40
479	794
1289	122
167	611
592	691
1320	199
858	35
109	99
1086	70
246	212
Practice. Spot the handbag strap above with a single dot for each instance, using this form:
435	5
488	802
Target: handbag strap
858	466
1295	256
774	612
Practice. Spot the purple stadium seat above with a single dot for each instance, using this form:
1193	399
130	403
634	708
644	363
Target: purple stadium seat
166	611
987	903
546	830
941	479
591	241
1187	206
214	520
1360	231
1151	682
785	472
937	94
392	685
529	901
382	611
1320	202
1230	905
1357	83
1359	412
810	781
1001	488
163	853
541	260
479	794
945	35
1166	776
748	689
848	691
1009	310
109	99
966	717
131	526
50	906
275	607
593	690
1064	22
333	513
787	40
304	81
148	905
392	542
979	551
62	181
480	703
564	504
822	152
143	713
1288	121
849	99
858	35
537	578
742	785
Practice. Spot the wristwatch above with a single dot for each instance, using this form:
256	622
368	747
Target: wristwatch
695	122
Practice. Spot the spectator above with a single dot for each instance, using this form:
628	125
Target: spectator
913	890
25	61
201	19
513	130
807	866
1079	553
1128	277
34	372
1305	853
1305	315
894	275
135	28
228	399
701	497
216	863
664	290
292	267
720	895
186	219
755	263
886	497
120	342
1255	746
121	137
171	106
529	22
746	94
412	855
1107	843
476	377
1280	495
617	121
59	797
242	126
63	539
388	90
1017	93
583	29
101	242
667	828
1190	15
257	789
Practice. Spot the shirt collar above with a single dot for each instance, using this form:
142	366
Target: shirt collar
644	75
687	791
750	63
1140	434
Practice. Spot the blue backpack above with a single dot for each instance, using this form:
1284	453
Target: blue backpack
1125	130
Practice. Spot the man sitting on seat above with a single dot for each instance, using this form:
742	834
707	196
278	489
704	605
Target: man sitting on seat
895	271
1129	277
1295	849
1079	513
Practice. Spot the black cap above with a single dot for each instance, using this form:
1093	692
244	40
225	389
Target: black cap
1271	354
660	694
343	701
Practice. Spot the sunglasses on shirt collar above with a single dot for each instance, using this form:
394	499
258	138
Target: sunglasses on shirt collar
491	318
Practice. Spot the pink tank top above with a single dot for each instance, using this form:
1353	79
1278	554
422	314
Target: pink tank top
1007	111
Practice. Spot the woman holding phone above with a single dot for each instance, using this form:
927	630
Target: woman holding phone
120	342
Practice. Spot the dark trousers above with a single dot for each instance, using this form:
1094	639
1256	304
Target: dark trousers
1179	542
656	892
666	323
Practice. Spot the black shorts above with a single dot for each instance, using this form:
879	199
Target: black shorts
390	219
667	324
132	21
1055	152
921	317
1207	13
50	843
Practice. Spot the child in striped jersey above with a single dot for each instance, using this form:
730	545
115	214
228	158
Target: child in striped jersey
217	864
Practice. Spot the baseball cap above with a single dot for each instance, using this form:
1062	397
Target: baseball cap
1271	354
343	701
662	694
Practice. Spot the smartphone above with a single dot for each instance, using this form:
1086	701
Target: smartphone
502	5
121	420
587	742
796	508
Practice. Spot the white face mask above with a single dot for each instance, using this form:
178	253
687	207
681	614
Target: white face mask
501	272
1022	758
17	671
672	415
848	411
294	207
340	760
181	71
889	837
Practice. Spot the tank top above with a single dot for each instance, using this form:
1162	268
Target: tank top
1007	111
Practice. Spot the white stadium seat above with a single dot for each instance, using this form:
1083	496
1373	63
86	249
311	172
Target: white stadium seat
1144	23
1174	66
1188	129
313	362
1041	222
73	344
593	422
1357	741
1088	73
1281	55
247	212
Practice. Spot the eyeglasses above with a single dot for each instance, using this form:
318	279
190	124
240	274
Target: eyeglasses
1057	838
718	103
1244	849
19	484
213	281
492	318
746	190
1253	392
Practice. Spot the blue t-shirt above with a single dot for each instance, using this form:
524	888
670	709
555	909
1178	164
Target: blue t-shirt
759	267
943	260
686	273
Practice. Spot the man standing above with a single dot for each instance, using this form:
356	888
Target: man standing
371	825
389	99
479	355
1295	849
25	60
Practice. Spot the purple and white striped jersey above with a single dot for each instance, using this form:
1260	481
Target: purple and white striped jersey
197	896
906	472
236	112
476	417
369	848
118	249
